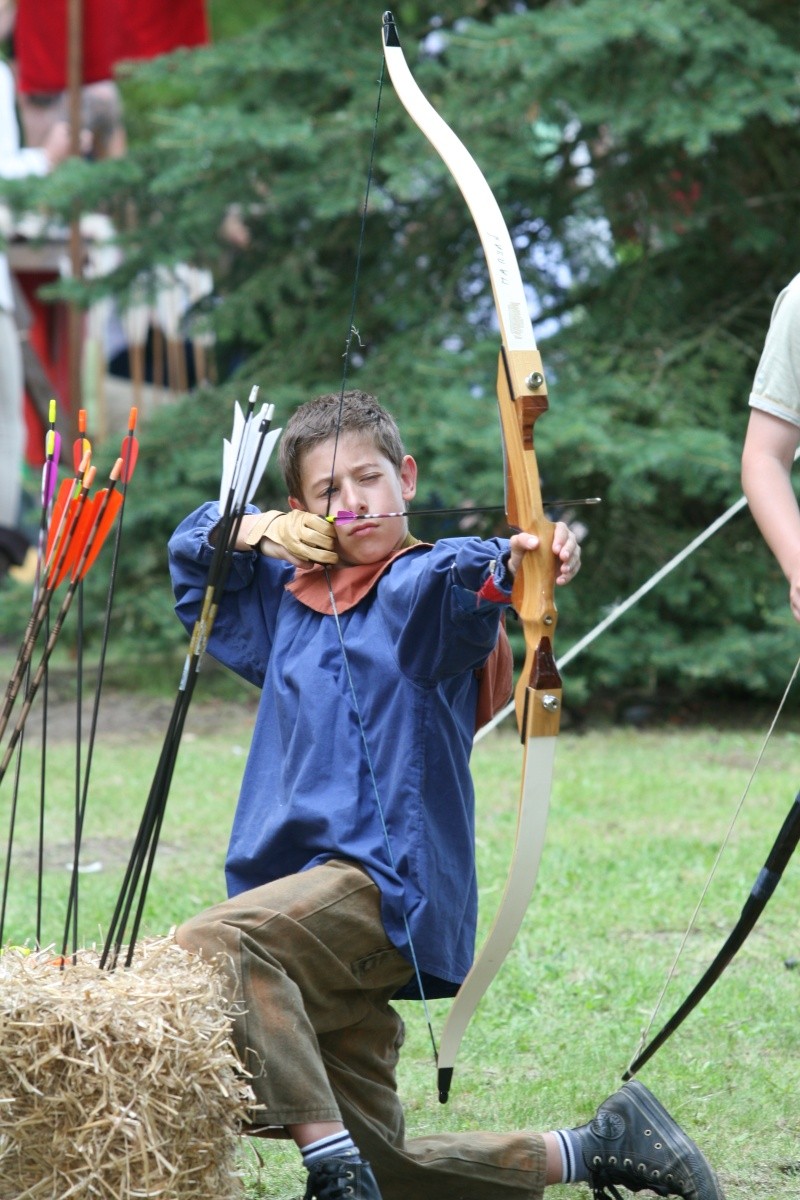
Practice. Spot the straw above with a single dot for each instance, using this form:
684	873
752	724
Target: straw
117	1084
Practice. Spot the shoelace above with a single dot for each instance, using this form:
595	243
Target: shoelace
600	1193
336	1183
604	1189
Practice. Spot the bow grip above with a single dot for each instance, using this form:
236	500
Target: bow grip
522	398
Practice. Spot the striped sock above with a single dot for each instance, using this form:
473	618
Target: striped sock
332	1146
572	1164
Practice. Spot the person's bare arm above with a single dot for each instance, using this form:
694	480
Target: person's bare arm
767	458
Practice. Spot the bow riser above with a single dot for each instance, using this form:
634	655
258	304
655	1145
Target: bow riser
538	692
522	398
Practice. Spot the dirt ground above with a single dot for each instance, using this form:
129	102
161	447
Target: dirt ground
127	714
131	716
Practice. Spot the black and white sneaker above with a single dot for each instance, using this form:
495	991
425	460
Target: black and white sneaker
345	1177
634	1143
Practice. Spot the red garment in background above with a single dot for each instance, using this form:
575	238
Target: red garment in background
154	27
40	43
112	30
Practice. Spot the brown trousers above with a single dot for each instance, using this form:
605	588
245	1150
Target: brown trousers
310	973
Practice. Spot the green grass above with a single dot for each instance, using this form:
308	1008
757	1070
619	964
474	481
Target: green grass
637	820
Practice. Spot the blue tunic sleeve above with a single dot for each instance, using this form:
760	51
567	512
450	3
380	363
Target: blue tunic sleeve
443	627
244	627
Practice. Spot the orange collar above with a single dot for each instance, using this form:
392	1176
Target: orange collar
313	585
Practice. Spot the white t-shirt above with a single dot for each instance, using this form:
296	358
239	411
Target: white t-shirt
776	387
15	163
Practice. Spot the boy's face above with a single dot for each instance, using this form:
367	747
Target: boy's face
364	481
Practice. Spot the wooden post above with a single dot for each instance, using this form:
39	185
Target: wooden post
74	86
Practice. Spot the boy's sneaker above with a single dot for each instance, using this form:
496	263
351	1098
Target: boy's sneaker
634	1143
347	1177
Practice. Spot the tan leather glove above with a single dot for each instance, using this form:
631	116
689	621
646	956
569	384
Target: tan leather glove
306	537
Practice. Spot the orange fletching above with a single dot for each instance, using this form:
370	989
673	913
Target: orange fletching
112	507
76	542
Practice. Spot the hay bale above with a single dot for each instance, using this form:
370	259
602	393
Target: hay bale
117	1084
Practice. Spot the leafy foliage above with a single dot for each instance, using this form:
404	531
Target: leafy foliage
646	159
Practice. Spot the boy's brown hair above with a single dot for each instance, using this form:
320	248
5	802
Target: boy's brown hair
329	416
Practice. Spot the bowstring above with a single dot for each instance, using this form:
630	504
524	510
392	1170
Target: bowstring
643	1040
352	333
382	815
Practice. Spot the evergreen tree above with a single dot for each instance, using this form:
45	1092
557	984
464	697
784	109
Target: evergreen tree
644	157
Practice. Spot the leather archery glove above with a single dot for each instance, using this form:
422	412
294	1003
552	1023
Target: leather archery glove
303	535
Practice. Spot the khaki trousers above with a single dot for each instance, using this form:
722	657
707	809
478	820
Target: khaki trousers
310	973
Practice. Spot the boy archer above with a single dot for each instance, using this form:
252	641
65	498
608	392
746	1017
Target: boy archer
351	863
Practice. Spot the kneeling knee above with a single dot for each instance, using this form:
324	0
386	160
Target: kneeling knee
196	936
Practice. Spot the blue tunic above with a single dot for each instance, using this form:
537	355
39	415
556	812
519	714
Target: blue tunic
378	771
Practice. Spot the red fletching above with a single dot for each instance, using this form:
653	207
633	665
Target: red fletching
129	451
80	448
69	532
112	507
77	541
59	549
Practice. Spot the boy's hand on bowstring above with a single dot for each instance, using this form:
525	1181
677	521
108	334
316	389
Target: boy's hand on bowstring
565	548
297	537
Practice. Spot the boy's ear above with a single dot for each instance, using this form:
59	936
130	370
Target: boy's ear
408	478
293	503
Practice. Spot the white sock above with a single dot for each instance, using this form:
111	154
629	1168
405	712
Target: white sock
573	1167
332	1146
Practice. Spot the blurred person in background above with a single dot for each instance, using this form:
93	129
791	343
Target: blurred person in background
773	435
15	163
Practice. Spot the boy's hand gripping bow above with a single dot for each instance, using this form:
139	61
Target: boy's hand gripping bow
522	397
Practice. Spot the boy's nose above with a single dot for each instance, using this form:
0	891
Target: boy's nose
351	498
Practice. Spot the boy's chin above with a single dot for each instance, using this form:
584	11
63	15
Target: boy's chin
361	560
367	555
